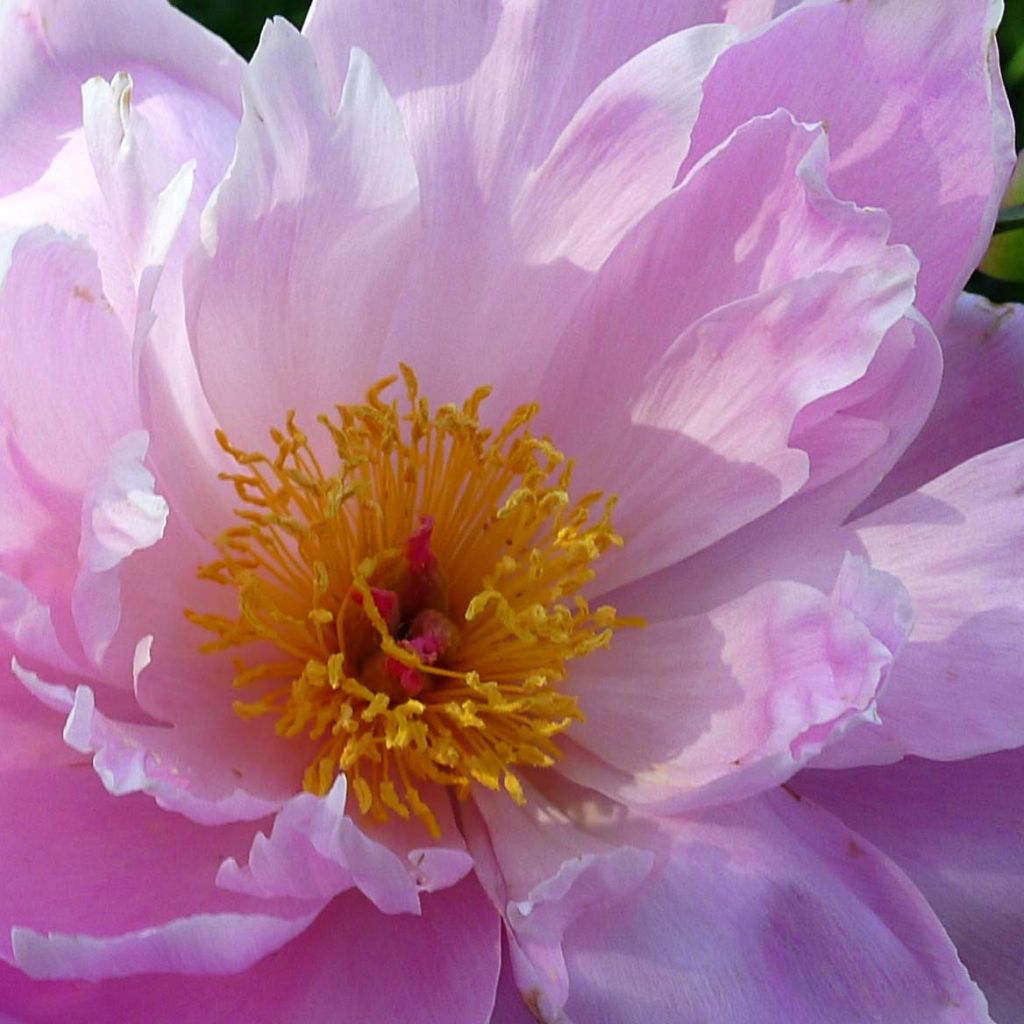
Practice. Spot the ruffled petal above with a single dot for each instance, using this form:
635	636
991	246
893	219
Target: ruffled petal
317	850
313	193
121	514
544	864
769	910
917	118
955	830
694	712
188	771
665	394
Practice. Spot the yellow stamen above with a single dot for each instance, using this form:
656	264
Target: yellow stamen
313	552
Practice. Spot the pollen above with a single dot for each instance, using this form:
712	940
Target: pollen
410	608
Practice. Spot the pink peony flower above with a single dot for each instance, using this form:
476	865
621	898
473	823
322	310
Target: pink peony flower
674	679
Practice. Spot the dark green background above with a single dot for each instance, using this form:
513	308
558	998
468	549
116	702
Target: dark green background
240	23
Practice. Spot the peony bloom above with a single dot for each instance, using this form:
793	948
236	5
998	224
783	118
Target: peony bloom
506	515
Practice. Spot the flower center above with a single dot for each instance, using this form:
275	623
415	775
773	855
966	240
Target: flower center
421	600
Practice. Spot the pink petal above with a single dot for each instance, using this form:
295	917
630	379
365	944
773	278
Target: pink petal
710	457
956	544
55	328
121	514
184	100
955	830
183	770
703	446
138	899
312	192
979	405
201	944
619	154
717	707
509	1007
545	864
353	963
917	119
769	911
317	850
485	96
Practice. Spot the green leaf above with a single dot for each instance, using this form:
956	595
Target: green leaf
1005	257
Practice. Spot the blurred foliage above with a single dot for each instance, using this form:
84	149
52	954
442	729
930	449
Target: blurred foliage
240	23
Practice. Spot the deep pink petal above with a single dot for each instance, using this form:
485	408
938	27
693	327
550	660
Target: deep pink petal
917	118
352	964
694	712
769	911
955	830
137	898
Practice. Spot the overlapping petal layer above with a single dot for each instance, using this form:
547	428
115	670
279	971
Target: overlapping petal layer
717	242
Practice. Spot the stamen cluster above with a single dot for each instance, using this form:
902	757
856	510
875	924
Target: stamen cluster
422	598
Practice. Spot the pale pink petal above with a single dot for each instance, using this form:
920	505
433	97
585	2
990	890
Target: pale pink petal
485	96
201	944
693	712
317	850
184	102
352	964
676	401
981	400
55	327
307	240
121	514
955	830
957	545
26	624
619	154
916	116
769	911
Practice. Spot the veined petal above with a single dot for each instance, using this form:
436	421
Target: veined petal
769	910
547	863
955	830
694	712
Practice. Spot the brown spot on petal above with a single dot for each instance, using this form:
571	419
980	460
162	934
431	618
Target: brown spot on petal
532	1000
83	293
793	793
854	849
